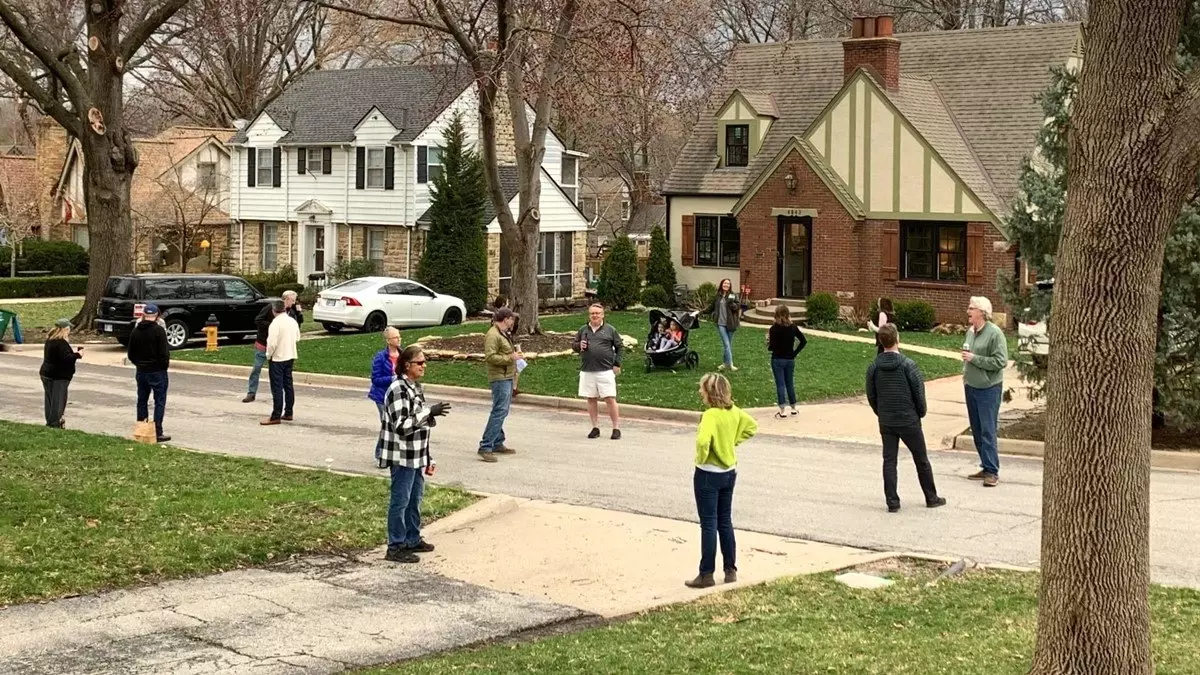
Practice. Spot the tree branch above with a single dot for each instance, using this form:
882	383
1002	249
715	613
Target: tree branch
43	51
149	24
49	105
399	21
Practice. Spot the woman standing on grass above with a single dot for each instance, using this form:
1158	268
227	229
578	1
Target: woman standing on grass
404	441
785	341
723	427
886	316
384	372
725	312
58	367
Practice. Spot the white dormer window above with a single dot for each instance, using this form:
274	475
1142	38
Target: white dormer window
375	167
570	177
313	157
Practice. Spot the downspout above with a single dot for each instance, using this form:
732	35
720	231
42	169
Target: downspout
346	206
412	228
285	175
238	211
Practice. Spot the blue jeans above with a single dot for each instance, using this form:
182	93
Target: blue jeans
260	358
156	383
714	505
493	433
983	410
784	371
726	344
382	422
283	394
404	510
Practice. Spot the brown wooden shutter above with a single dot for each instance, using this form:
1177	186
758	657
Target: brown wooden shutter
891	252
688	241
975	253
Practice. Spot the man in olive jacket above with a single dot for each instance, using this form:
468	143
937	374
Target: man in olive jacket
896	392
501	360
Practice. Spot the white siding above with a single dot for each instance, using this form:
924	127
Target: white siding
558	214
327	188
468	104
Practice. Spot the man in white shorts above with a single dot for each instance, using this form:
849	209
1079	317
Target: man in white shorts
599	346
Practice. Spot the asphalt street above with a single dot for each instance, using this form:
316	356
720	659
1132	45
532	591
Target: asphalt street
787	485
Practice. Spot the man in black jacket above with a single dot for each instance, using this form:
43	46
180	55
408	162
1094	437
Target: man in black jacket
149	352
896	392
262	323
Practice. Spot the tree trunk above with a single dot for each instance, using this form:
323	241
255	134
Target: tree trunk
109	161
1126	188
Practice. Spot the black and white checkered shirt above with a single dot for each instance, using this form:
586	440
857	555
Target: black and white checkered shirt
405	435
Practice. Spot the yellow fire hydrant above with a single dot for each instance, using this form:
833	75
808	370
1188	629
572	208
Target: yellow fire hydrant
210	331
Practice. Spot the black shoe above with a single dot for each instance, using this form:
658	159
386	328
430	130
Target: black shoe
163	439
249	398
701	581
422	547
940	501
594	433
892	508
401	555
616	434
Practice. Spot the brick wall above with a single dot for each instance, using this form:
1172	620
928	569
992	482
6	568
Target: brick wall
879	55
847	255
579	249
52	144
493	264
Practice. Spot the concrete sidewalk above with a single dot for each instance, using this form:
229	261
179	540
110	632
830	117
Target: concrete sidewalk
502	566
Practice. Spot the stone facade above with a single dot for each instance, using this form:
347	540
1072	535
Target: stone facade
52	145
579	258
848	255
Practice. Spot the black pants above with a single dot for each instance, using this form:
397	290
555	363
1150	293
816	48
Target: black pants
914	439
283	394
56	400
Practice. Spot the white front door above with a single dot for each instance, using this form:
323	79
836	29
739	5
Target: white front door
316	248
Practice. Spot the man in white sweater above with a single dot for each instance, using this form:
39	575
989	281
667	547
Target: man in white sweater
282	338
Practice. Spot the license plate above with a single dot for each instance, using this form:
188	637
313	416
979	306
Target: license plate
108	328
329	302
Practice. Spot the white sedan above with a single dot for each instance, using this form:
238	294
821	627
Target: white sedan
374	303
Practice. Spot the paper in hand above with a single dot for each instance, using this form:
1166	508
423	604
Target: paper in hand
521	363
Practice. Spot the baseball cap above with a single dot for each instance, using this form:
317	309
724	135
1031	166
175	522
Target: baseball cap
150	308
501	314
63	323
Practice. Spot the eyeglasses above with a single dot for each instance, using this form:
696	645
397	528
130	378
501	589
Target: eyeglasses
417	363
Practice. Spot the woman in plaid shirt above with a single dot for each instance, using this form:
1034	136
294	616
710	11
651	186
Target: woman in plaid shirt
404	444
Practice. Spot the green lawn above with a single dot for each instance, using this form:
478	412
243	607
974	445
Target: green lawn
951	343
981	624
81	513
826	369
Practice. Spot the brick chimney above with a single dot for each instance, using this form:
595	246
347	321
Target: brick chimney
872	46
52	144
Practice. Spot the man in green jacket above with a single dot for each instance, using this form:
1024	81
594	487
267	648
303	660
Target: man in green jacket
985	356
501	360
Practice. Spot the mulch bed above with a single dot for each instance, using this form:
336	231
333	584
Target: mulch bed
473	344
1032	427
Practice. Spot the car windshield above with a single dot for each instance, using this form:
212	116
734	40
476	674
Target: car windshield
352	285
121	287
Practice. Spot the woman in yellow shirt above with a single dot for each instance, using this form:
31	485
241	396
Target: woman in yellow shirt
722	428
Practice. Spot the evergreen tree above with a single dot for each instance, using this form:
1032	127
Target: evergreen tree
660	271
1035	225
620	281
455	257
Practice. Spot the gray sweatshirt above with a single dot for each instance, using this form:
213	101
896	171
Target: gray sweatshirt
603	350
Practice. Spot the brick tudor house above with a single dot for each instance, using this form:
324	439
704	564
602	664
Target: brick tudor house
879	165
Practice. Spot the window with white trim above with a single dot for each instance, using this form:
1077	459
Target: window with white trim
270	247
570	177
626	209
375	240
433	162
312	160
375	167
555	265
265	167
206	175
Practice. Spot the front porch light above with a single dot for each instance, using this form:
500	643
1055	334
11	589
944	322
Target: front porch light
789	180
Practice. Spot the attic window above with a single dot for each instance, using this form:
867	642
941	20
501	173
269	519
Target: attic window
206	175
737	145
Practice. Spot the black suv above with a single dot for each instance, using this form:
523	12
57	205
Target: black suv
184	301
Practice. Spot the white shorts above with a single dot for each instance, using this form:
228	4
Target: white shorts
602	384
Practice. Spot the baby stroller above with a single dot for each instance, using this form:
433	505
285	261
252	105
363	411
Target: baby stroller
680	353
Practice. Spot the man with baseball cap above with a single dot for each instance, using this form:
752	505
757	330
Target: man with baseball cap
149	353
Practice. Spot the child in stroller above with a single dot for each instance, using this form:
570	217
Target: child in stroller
666	343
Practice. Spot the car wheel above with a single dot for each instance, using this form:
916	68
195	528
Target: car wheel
452	317
375	323
177	333
332	327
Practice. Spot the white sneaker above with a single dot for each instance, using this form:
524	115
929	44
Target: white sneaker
733	369
721	367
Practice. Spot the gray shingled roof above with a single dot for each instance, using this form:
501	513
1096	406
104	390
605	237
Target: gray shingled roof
328	104
509	182
987	80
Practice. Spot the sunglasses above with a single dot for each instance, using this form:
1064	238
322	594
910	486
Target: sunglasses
417	363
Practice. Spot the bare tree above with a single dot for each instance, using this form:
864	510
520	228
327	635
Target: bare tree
18	213
1134	152
81	88
515	50
182	208
233	57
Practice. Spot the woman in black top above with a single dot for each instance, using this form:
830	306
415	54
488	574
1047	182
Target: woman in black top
886	315
784	341
58	367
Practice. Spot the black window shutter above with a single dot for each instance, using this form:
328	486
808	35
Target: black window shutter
251	155
389	168
360	165
276	158
422	164
327	160
301	160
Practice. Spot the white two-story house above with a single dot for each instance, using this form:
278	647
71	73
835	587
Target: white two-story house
340	167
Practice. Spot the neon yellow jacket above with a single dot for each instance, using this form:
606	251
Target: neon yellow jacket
721	430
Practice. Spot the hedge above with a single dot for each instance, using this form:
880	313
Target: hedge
43	287
915	315
56	257
822	309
